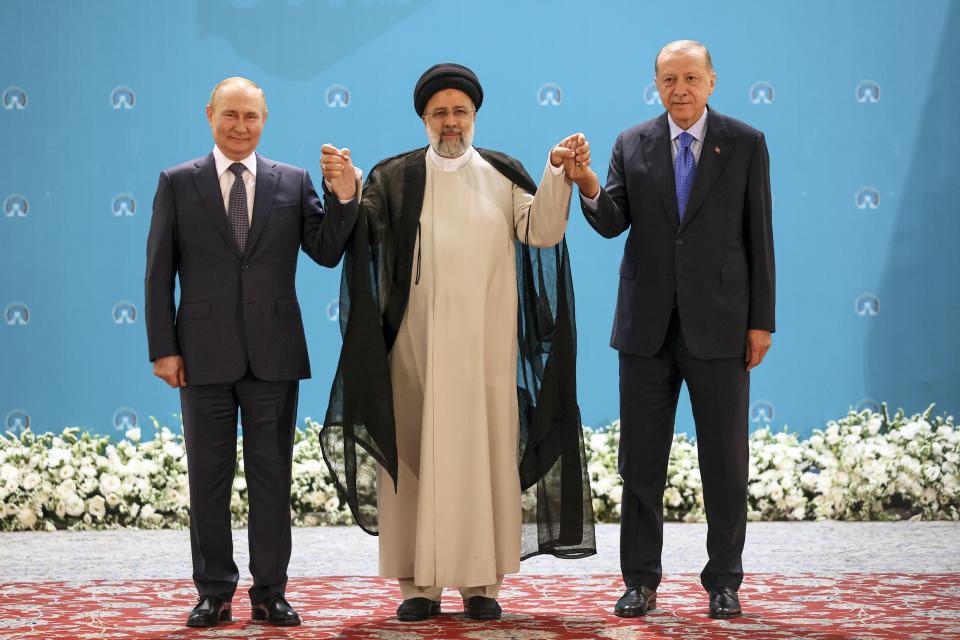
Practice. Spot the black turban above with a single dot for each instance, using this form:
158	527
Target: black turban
446	76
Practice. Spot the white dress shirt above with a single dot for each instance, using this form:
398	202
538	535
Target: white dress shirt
227	178
698	130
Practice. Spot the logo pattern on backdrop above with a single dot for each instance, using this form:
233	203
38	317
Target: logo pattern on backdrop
337	96
16	313
125	418
867	198
867	304
650	94
123	204
761	413
17	420
16	206
761	93
14	99
868	92
549	95
123	98
124	312
333	310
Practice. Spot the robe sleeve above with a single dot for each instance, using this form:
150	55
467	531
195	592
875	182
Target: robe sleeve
541	220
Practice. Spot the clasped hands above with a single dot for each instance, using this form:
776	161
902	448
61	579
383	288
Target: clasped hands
338	171
573	152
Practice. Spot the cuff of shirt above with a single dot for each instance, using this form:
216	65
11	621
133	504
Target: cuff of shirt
554	170
357	172
590	203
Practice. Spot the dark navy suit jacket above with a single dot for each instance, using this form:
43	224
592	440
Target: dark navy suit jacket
717	264
235	310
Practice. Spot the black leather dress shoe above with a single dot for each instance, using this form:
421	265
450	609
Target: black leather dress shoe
482	608
275	611
413	609
209	612
636	601
724	603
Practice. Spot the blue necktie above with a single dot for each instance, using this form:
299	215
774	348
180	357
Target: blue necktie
237	212
684	169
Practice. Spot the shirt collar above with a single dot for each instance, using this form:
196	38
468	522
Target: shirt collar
223	162
696	130
449	164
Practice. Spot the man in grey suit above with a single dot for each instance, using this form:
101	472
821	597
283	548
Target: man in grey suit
230	225
695	304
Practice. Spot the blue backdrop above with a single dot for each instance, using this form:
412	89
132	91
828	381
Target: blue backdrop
858	101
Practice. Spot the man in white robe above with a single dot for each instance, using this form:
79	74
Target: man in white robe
455	517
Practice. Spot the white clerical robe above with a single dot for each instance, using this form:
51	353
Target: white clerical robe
455	518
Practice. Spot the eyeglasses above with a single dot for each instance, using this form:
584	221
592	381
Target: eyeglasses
459	114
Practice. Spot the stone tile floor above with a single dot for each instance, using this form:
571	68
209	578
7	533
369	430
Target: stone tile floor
772	547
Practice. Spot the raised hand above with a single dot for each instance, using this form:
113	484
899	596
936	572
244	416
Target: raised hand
338	171
573	152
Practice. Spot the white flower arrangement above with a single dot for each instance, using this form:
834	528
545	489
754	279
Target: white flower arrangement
865	466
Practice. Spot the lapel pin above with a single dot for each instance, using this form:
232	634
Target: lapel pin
716	149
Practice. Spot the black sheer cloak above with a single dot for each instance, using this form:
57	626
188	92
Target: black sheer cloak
359	431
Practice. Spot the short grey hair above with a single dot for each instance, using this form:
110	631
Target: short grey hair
236	80
683	45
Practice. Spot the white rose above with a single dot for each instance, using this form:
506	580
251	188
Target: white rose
9	473
73	506
112	500
931	472
9	510
66	488
109	483
147	512
909	430
97	507
66	472
173	450
27	517
133	434
30	481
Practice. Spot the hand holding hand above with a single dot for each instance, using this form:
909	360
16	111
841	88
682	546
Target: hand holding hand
574	153
337	169
170	370
758	343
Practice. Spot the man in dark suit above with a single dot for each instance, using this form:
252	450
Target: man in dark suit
695	304
230	225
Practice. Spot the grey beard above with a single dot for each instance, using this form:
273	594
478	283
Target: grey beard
452	149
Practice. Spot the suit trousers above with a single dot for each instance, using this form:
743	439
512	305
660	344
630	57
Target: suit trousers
719	394
268	412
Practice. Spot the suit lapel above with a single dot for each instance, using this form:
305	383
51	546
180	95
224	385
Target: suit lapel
659	161
709	166
208	185
268	177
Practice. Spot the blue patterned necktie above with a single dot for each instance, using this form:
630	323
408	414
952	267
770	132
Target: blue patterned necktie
237	211
684	169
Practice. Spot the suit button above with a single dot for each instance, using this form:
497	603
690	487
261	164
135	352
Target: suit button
246	266
679	242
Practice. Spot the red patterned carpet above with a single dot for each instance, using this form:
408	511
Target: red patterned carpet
865	606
